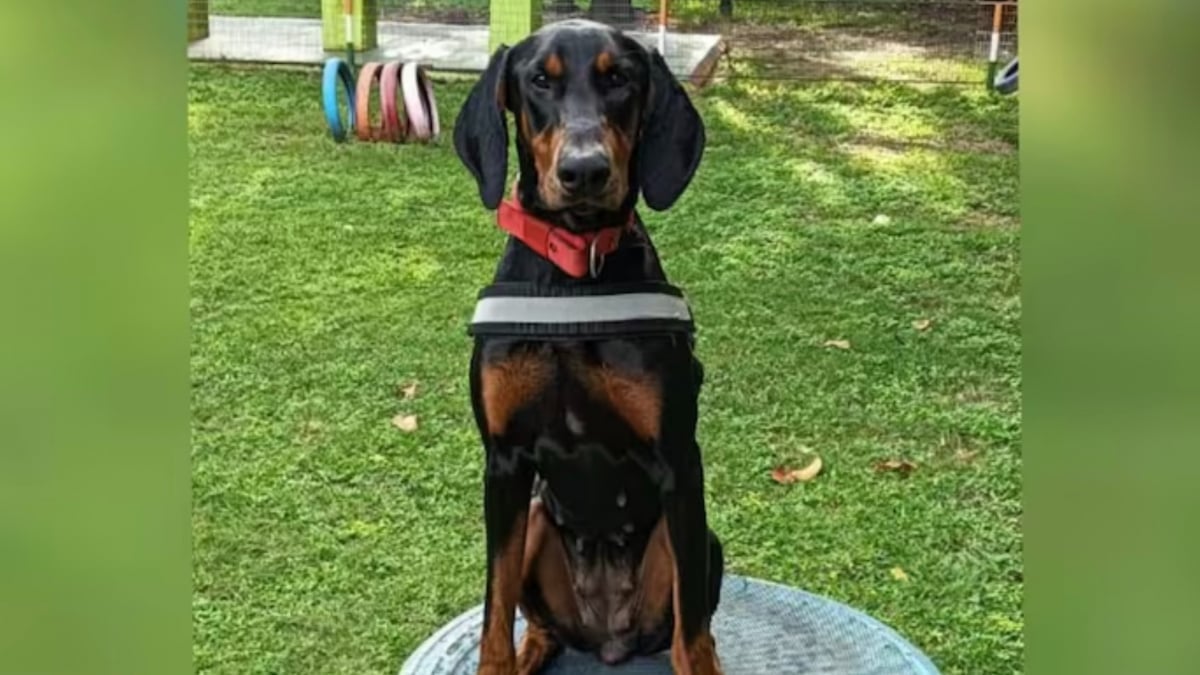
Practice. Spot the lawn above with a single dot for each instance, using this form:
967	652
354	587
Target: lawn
326	279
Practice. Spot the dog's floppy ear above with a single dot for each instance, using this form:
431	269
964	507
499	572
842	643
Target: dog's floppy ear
672	139
481	131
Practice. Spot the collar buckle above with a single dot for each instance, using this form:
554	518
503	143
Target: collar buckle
595	260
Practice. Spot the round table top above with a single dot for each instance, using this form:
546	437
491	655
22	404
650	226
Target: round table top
760	628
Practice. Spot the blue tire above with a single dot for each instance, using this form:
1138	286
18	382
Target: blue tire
337	70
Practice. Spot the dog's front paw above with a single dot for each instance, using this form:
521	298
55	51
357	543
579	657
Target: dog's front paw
493	668
700	658
537	647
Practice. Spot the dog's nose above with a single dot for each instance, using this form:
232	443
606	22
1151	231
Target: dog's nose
583	173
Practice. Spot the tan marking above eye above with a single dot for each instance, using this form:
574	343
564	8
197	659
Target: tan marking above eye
553	66
604	62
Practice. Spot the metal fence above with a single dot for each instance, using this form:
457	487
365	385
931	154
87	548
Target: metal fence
887	40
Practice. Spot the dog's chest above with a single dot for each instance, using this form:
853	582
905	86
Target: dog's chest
588	426
602	484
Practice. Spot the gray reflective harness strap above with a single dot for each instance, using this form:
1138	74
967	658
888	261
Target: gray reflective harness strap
583	309
520	310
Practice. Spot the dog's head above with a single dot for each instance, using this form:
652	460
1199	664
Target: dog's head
598	119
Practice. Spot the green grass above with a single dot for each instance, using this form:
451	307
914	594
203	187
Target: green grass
324	277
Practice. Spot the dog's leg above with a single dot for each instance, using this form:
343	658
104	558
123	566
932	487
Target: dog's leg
506	500
656	582
547	589
661	409
716	571
693	651
502	384
538	646
657	579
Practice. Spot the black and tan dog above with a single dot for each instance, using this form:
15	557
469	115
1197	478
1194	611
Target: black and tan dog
612	554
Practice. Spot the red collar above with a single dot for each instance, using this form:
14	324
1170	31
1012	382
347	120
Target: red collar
579	255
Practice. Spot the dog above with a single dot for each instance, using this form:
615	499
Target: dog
594	486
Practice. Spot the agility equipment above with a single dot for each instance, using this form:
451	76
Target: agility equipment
998	7
338	72
407	108
361	30
395	120
368	78
419	103
1006	80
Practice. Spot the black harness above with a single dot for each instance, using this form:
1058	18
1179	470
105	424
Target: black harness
581	311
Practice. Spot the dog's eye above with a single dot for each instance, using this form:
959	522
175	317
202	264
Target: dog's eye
541	81
615	79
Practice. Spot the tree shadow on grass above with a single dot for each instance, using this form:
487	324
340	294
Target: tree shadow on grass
850	152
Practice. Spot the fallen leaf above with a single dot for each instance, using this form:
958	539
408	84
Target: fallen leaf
899	574
900	466
409	393
840	344
786	476
964	456
405	422
922	324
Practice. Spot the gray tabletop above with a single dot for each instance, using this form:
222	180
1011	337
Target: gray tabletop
760	628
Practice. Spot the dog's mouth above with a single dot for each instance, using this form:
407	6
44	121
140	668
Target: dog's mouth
583	210
616	651
554	197
606	200
588	218
592	207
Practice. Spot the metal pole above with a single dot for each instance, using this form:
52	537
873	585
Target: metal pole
662	28
994	48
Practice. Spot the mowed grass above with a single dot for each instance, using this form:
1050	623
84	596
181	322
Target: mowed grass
327	277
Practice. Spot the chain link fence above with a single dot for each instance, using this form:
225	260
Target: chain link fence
886	40
882	40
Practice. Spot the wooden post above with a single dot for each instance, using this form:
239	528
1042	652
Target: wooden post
511	20
365	25
197	18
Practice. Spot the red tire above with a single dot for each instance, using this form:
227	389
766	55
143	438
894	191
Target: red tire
367	77
395	120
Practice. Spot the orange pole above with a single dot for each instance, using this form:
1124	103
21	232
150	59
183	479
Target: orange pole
662	27
997	21
348	19
994	47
